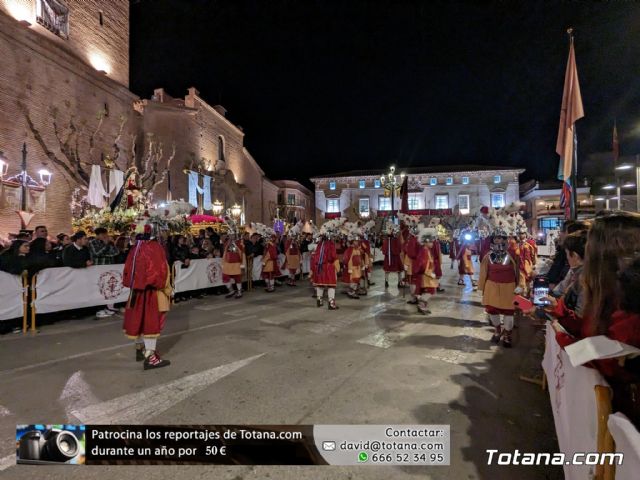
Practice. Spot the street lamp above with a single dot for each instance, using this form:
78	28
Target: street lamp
236	210
26	182
391	182
45	177
217	207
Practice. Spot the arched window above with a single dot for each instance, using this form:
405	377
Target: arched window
221	149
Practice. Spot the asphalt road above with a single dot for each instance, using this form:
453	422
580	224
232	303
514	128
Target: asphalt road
274	358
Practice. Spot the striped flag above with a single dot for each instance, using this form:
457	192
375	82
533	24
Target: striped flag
565	198
570	112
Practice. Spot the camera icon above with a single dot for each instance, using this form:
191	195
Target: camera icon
50	446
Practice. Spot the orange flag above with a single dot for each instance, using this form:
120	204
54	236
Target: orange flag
571	112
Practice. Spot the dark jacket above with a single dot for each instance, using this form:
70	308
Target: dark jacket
40	261
559	267
14	264
74	257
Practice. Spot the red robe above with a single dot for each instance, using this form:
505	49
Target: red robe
353	260
436	254
410	250
145	272
270	267
484	247
292	254
465	264
391	248
325	264
423	267
454	246
534	249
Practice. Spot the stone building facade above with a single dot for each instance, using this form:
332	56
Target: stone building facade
64	92
295	201
464	189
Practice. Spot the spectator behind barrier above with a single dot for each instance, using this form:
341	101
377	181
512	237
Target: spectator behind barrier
569	291
101	248
14	260
560	267
40	232
77	255
123	246
41	256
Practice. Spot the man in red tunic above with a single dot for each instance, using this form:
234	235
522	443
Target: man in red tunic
292	255
424	274
483	227
270	269
233	264
353	261
465	263
146	273
324	267
391	249
436	252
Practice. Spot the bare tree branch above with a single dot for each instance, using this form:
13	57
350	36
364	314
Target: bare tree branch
164	172
45	148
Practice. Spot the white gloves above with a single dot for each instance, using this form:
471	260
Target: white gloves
518	290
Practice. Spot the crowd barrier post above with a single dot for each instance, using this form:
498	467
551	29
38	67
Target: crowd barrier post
25	300
34	293
604	439
173	283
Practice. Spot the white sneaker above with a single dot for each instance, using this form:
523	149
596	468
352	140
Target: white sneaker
104	313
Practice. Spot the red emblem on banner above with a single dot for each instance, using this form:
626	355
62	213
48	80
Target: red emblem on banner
214	273
110	284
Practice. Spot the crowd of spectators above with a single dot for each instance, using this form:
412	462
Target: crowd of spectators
594	283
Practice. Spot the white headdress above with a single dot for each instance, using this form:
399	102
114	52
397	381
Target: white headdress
427	234
331	228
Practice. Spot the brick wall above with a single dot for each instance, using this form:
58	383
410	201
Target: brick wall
103	46
42	75
196	127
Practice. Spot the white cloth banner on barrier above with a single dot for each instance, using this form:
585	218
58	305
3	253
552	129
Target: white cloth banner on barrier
573	402
256	274
201	273
306	262
11	305
67	288
627	439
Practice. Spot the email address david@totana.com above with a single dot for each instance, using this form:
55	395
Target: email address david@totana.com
579	458
377	446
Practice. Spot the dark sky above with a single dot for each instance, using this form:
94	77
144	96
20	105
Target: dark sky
325	86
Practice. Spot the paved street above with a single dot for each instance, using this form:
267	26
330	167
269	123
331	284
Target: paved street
276	358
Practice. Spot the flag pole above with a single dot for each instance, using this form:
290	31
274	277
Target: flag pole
574	167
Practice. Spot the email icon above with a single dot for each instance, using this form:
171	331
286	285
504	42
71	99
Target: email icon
329	446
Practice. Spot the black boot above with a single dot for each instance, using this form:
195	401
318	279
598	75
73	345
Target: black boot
154	361
332	305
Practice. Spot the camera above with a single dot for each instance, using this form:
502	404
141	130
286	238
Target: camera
52	445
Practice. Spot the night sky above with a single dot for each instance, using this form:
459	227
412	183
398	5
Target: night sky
327	86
